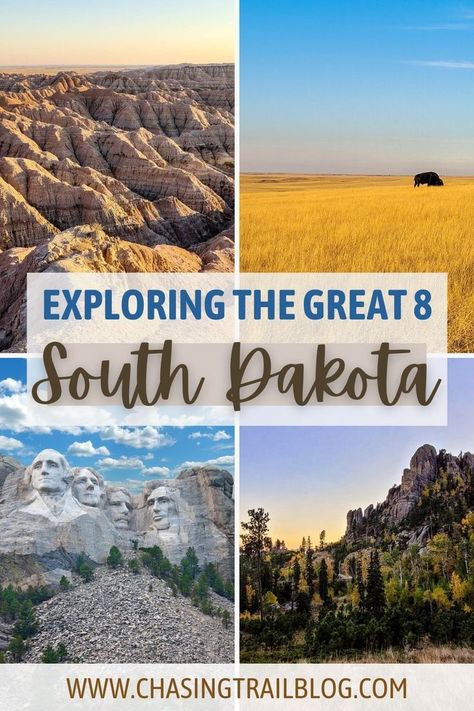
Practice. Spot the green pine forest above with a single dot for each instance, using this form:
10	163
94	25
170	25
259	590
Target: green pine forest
372	597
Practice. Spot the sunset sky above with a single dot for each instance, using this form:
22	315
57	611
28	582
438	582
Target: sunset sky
357	87
116	32
307	478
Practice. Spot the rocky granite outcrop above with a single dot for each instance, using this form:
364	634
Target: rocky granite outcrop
117	618
427	467
50	514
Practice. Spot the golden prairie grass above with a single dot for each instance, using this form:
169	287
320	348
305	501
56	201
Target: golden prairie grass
303	223
427	654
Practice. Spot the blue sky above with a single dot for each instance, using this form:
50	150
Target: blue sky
63	32
129	455
357	86
307	478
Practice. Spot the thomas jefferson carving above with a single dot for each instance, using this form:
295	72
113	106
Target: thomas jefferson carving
88	487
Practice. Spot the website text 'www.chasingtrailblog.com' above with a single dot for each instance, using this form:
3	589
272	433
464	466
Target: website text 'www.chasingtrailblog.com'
247	688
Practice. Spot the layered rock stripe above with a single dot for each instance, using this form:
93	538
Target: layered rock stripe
143	157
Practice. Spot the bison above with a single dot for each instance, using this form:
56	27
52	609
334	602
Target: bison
428	179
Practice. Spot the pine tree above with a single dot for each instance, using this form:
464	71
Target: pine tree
309	573
360	584
201	588
275	579
190	563
115	558
375	600
323	582
134	566
61	651
243	591
10	603
17	648
26	625
64	583
253	544
322	538
296	576
49	655
86	572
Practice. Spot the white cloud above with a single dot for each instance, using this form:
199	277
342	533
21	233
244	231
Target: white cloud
86	449
8	444
18	413
133	485
219	415
226	460
444	65
121	463
221	435
147	437
213	436
156	471
222	447
10	385
13	411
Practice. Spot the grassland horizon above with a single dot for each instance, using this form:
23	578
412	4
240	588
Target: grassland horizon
359	223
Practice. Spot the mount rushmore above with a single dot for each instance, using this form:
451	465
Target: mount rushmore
52	512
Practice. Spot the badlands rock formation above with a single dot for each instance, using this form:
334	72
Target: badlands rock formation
427	466
50	514
89	248
143	157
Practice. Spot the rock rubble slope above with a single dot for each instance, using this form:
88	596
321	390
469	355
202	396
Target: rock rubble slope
117	618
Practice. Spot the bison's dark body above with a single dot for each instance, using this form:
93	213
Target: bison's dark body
429	178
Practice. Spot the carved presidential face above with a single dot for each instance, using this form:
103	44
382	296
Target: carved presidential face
88	487
120	507
162	508
50	472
